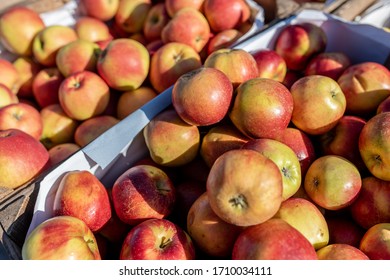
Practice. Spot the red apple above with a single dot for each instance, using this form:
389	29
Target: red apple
92	29
270	64
132	100
9	75
375	242
384	106
291	77
341	252
104	10
173	6
45	86
330	64
61	152
131	14
155	21
344	230
223	40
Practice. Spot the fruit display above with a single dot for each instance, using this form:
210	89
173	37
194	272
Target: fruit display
226	158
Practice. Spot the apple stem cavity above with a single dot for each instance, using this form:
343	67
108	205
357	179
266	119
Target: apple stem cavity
239	202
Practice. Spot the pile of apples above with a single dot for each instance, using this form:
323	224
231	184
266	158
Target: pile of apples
273	154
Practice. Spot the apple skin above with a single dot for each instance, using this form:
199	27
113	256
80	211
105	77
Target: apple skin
130	101
223	40
92	29
131	15
239	65
211	234
365	86
273	239
375	242
9	75
83	95
45	86
344	230
291	77
157	239
173	6
104	10
384	106
270	64
202	96
61	152
27	69
61	238
244	187
298	43
371	206
143	192
319	103
272	113
330	64
332	182
131	61
341	252
22	157
374	145
18	27
155	21
7	97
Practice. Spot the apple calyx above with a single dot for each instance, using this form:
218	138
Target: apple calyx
239	201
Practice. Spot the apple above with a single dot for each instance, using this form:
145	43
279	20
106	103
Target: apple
114	230
45	86
61	238
226	14
244	187
273	239
9	75
365	86
22	116
188	26
143	192
171	141
270	64
49	40
124	64
22	157
384	106
319	103
132	100
211	234
223	39
104	10
238	64
262	108
83	95
89	129
173	6
155	21
131	15
92	29
330	64
344	230
202	96
340	252
18	27
61	152
332	182
157	239
284	157
375	242
153	46
171	61
196	170
291	77
371	206
298	43
374	145
76	56
27	69
7	96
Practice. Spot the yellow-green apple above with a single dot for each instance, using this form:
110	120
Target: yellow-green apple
365	86
188	26
372	204
49	40
155	21
18	27
9	75
374	145
104	10
341	252
171	61
61	238
82	195
58	127
244	187
332	182
7	96
83	95
298	43
375	242
226	14
305	216
27	69
273	239
291	77
342	140
330	64
131	15
238	64
91	128
384	106
157	239
92	29
219	139
202	96
284	157
22	116
262	108
223	39
319	103
124	64
210	234
170	140
76	56
22	157
45	86
61	152
344	230
173	6
130	101
270	64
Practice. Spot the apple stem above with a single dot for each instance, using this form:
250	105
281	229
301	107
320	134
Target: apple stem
164	242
